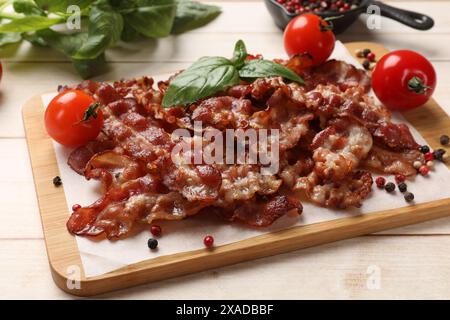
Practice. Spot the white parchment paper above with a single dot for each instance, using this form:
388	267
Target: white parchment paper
187	235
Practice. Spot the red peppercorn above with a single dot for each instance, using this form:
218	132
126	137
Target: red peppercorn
380	181
155	230
429	156
399	178
208	241
75	207
371	56
424	170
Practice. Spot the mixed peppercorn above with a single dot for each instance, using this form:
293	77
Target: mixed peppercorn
208	241
423	169
369	58
318	6
152	243
57	181
156	231
444	139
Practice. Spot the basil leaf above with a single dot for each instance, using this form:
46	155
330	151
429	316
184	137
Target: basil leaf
62	5
129	34
29	23
151	18
90	67
104	30
67	44
203	79
8	38
34	39
240	54
191	15
264	68
27	7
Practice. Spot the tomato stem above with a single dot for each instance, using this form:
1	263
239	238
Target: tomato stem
416	84
91	112
329	25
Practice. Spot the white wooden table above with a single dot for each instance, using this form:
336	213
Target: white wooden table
411	262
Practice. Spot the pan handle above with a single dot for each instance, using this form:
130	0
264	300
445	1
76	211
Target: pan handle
410	18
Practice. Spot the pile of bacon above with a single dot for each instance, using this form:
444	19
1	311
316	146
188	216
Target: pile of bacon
330	133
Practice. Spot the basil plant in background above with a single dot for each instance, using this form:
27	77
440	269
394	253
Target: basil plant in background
84	29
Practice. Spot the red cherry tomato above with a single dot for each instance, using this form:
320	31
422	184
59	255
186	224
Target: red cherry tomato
1	71
403	80
309	34
64	118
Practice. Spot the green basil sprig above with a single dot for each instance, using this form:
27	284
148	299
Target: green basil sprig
211	75
201	80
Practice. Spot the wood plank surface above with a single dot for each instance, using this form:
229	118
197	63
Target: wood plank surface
407	267
417	265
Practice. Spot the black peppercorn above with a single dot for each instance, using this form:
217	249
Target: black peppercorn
444	139
409	197
57	181
366	64
152	243
366	52
438	154
402	187
424	149
389	187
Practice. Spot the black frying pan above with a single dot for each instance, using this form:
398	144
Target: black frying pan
413	19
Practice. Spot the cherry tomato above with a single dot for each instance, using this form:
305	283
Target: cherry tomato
309	34
403	80
65	118
1	71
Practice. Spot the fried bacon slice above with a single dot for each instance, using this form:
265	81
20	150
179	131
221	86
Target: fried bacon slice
394	136
394	150
131	196
112	169
334	72
224	112
79	157
285	114
243	182
145	139
295	163
393	162
339	149
121	209
329	102
262	213
348	192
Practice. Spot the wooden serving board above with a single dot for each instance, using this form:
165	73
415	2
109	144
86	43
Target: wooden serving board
64	257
